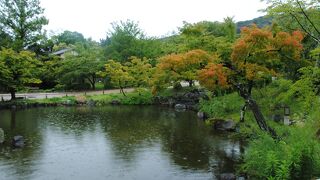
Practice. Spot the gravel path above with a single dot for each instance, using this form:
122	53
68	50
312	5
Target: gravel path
60	94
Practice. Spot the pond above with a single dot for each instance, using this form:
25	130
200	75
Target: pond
113	142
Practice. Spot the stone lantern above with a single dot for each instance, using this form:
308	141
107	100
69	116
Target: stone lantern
286	117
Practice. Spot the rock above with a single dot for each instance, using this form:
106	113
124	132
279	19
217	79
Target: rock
193	107
202	115
180	106
1	136
115	102
171	102
241	178
91	103
227	176
18	141
224	125
192	95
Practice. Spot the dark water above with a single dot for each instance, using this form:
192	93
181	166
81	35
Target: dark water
113	142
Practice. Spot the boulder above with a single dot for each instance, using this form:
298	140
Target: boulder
180	106
224	125
202	115
115	102
91	103
227	176
18	141
1	136
241	178
171	102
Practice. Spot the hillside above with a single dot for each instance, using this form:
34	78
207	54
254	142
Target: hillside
259	21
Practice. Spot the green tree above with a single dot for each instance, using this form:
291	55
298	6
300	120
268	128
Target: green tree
300	15
22	20
126	40
123	41
141	71
18	69
209	36
5	39
69	37
119	75
230	28
297	14
81	65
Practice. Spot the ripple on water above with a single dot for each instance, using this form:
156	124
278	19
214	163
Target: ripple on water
113	142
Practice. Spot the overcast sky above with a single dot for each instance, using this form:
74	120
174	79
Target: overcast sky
92	18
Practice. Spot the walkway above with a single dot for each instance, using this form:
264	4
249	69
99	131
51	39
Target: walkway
7	97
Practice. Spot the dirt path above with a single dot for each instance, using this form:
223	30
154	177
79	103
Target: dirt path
60	94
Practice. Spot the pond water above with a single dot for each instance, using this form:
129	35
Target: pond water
113	142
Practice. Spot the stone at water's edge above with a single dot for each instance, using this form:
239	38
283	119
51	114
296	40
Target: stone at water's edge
18	141
224	125
202	115
115	102
180	106
91	103
227	176
1	136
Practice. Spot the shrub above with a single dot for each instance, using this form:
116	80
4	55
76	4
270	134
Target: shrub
296	156
222	106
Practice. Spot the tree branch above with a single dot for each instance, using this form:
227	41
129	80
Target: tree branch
307	17
304	29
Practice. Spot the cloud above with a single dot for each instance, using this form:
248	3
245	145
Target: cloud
156	17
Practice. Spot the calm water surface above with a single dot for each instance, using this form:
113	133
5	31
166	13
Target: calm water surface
113	142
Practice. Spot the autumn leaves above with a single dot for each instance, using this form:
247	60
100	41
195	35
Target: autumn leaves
257	54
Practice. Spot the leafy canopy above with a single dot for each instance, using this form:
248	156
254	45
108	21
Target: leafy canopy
174	68
22	21
256	55
18	69
81	65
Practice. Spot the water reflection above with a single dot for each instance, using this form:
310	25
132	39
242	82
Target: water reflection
113	142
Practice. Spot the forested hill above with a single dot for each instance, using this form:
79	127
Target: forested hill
259	21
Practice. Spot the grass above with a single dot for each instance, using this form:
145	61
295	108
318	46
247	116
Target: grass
138	97
226	107
55	100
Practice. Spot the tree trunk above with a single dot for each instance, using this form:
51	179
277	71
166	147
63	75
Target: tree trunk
13	94
260	118
243	113
252	104
190	83
93	82
121	90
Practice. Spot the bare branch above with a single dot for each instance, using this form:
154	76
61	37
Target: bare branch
303	28
307	17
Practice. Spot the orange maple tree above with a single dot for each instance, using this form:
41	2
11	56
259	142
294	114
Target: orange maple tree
257	54
174	68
